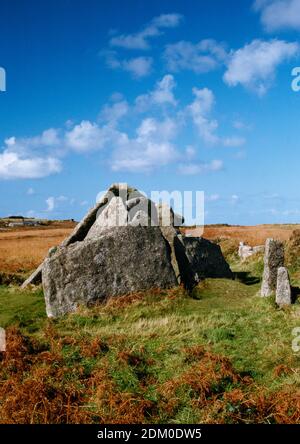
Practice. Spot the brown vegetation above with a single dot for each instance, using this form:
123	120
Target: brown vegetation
38	385
252	235
23	249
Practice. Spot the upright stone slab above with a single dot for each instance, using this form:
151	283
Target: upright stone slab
274	258
283	288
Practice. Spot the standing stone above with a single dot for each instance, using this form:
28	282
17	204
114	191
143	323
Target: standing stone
283	289
274	258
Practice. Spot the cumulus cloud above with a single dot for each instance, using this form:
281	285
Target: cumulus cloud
150	143
254	66
200	168
86	136
14	166
138	67
279	15
151	148
163	93
154	28
200	110
201	57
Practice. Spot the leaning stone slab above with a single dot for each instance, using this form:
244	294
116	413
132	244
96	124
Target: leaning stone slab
121	261
283	288
36	277
273	259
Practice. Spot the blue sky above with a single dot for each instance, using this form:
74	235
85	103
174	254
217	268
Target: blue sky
164	95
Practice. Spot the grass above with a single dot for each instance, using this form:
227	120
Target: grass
222	355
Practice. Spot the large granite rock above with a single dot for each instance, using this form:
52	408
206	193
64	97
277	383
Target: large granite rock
273	259
121	261
283	288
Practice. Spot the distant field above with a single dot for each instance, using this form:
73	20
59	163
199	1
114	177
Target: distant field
23	249
252	235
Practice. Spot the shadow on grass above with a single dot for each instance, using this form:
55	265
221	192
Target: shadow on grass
246	278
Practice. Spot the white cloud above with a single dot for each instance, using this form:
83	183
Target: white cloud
254	66
199	110
234	141
151	148
138	67
201	57
279	15
14	166
161	94
112	113
154	28
86	137
240	125
30	191
200	168
50	204
190	152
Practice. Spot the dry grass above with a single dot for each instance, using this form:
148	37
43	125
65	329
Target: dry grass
38	385
252	235
22	250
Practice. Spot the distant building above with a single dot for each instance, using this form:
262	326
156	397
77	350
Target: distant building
24	223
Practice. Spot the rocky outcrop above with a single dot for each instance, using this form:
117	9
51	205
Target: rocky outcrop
273	259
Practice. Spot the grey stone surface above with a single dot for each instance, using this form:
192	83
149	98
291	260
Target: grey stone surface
123	245
121	261
246	251
283	287
113	214
206	258
141	218
274	258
